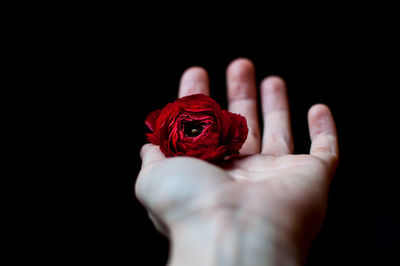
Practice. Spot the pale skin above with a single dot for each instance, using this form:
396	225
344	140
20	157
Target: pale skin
263	207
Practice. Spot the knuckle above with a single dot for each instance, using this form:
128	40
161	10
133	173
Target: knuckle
329	160
277	147
144	149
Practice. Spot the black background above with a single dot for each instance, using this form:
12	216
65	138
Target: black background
83	78
362	221
109	84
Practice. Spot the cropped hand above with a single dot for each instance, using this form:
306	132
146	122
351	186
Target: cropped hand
265	193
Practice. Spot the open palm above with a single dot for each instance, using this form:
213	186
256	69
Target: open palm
286	191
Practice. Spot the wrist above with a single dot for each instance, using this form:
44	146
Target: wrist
221	238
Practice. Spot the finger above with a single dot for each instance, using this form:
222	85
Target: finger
277	137
151	153
242	99
324	144
194	80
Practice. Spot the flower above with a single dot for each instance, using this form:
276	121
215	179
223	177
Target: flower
196	126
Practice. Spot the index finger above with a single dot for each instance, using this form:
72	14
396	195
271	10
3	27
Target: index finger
194	80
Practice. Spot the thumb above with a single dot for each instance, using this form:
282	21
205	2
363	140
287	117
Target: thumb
151	153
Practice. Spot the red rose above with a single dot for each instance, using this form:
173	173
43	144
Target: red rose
196	126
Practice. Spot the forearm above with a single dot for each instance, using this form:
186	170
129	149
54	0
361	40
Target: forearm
224	240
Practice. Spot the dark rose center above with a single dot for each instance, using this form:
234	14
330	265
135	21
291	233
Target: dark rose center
193	130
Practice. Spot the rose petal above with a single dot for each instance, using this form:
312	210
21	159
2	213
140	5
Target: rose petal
223	133
152	118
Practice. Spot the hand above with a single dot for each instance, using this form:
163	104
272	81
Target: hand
267	192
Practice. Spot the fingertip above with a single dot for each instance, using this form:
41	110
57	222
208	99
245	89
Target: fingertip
241	82
320	121
145	149
194	72
318	111
151	153
273	84
239	66
274	95
194	80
